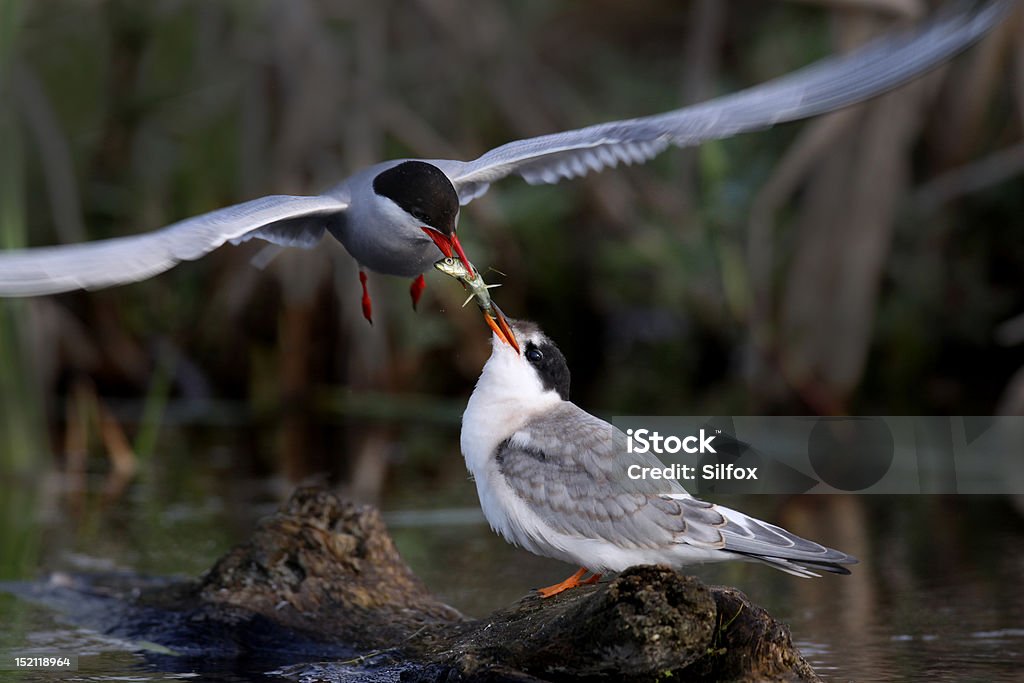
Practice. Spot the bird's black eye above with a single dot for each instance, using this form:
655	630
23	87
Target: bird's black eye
549	364
420	215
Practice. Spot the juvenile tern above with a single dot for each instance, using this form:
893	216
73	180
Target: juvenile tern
393	217
551	478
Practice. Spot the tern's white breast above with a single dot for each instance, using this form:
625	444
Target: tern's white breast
496	410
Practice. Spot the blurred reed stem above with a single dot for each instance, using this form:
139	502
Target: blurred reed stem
155	405
22	437
11	15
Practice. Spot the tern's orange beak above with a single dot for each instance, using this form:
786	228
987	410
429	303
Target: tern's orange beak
499	325
449	246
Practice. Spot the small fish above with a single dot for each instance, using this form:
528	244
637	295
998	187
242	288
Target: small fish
455	268
478	291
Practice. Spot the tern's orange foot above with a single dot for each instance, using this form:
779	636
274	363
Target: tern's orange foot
416	290
367	304
571	582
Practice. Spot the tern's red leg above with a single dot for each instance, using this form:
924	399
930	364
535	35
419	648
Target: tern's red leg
416	290
571	582
367	304
592	580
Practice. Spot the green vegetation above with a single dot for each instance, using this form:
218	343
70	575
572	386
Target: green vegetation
757	274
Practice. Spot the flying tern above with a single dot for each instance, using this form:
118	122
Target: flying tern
553	479
399	217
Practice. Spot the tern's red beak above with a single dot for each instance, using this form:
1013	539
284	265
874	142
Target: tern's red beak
462	255
450	247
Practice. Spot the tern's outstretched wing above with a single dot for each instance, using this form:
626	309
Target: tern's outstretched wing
569	470
281	219
821	87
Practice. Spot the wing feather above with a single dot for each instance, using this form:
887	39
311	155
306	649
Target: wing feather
567	469
824	86
281	219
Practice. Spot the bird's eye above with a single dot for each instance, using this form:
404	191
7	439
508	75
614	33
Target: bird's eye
534	355
419	215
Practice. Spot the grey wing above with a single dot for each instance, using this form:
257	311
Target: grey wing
822	87
281	219
776	546
567	467
570	468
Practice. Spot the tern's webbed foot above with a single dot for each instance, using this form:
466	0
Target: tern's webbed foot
572	582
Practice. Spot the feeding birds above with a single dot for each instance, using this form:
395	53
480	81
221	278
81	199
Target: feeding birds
551	478
398	217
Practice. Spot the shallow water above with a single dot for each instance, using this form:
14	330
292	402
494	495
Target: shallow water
936	597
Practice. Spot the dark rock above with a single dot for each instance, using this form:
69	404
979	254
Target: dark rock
327	566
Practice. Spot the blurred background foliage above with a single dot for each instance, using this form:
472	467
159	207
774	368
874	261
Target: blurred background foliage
865	262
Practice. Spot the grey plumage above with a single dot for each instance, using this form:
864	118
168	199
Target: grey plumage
822	87
94	265
571	473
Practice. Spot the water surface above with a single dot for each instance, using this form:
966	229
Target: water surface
936	597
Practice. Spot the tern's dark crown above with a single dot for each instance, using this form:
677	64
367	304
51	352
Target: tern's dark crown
423	191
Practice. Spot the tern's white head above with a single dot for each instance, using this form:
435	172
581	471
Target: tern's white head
536	376
419	196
